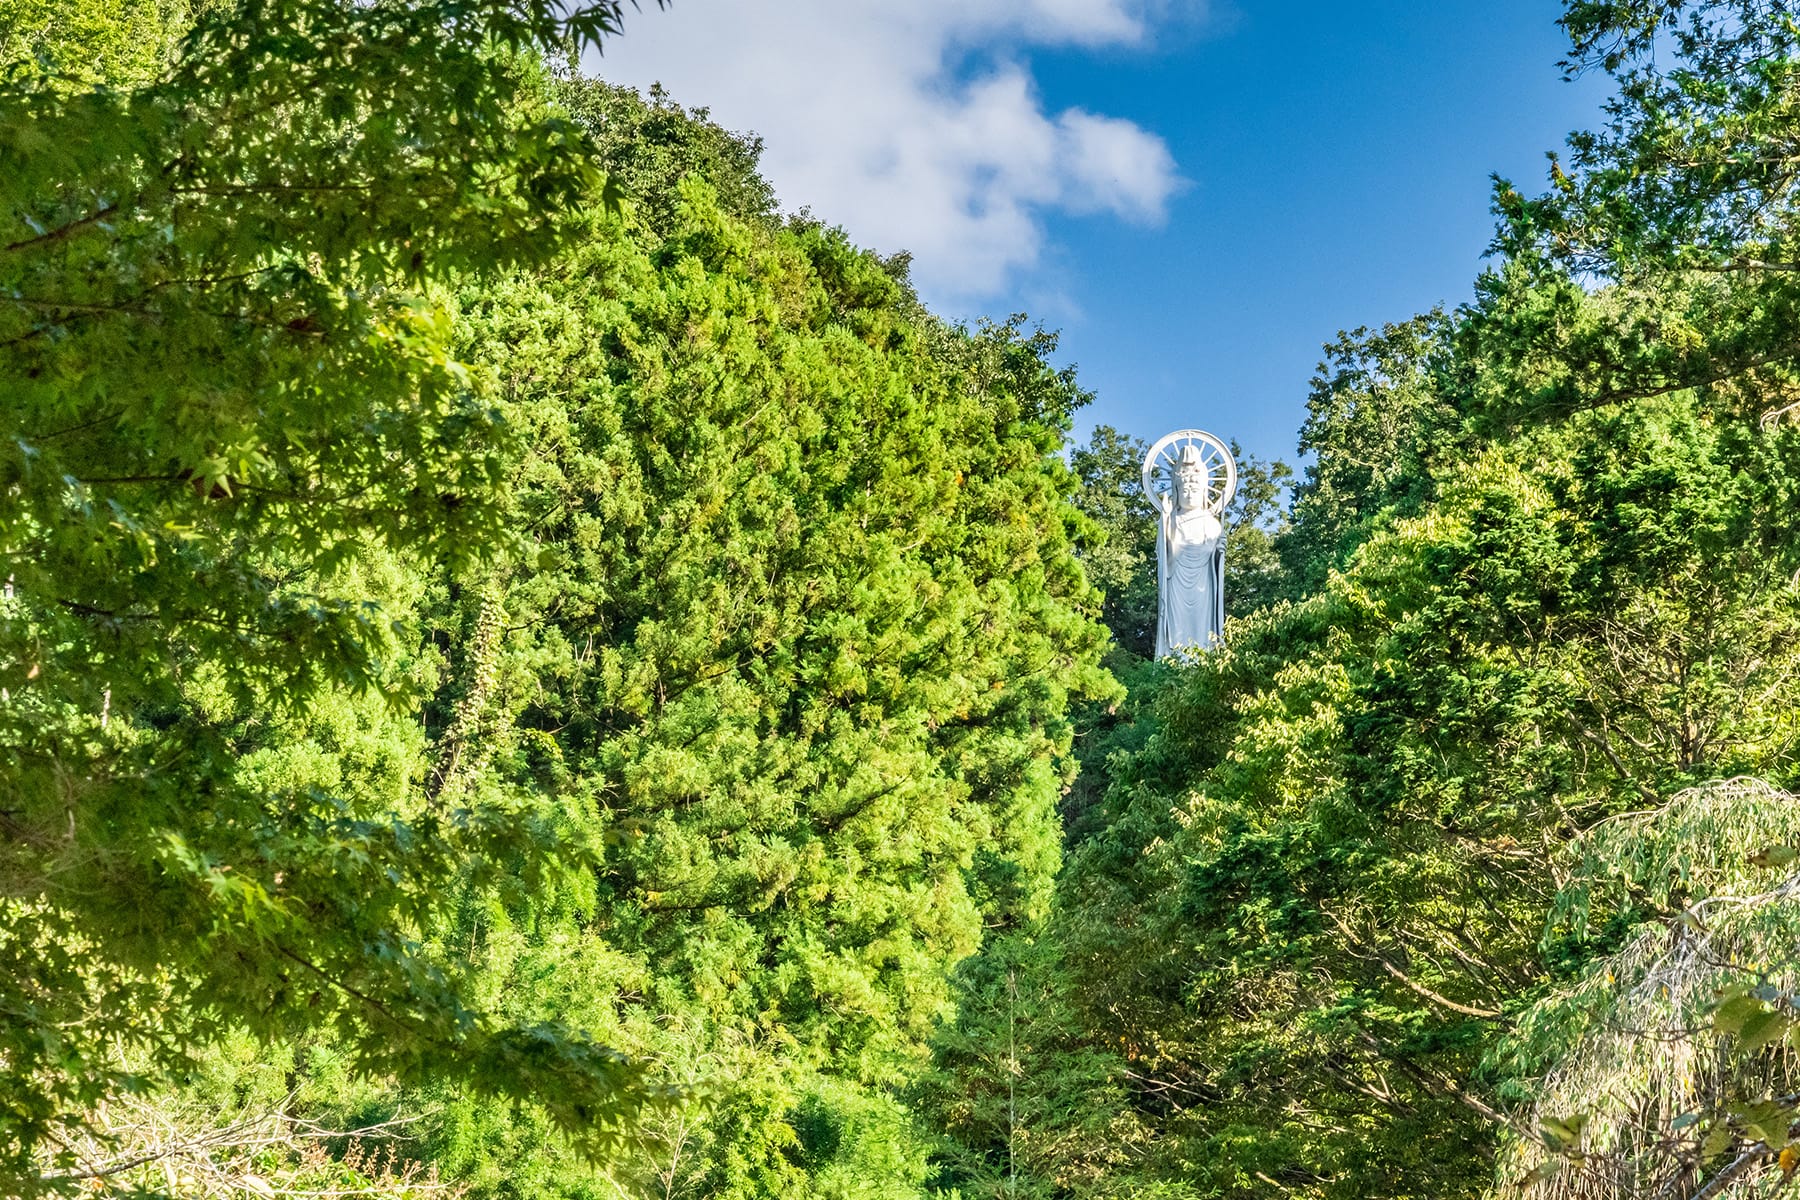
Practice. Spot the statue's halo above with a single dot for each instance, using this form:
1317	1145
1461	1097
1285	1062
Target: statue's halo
1221	468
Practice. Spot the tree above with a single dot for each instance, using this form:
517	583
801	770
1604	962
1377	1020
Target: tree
1022	1099
795	641
649	144
787	641
1546	569
1384	408
1122	562
1658	1065
233	423
1257	518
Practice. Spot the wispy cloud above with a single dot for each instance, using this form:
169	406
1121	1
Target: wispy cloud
915	123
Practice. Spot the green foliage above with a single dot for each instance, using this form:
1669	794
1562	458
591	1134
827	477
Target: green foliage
1321	871
1543	572
1661	1062
1024	1103
649	144
76	45
1257	519
1383	409
795	642
233	422
458	682
499	627
1122	561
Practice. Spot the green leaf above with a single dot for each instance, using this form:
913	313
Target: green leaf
1548	1169
1734	1013
1762	1028
1767	1121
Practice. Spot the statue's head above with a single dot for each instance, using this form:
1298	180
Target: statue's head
1190	479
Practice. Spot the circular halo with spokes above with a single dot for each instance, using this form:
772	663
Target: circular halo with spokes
1221	468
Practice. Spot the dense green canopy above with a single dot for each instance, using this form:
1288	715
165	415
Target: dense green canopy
494	611
794	639
232	423
1352	910
523	669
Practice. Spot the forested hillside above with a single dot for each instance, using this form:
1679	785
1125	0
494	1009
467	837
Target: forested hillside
1465	869
527	672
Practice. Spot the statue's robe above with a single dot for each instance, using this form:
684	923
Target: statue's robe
1190	555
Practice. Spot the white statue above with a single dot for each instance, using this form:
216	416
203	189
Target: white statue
1190	477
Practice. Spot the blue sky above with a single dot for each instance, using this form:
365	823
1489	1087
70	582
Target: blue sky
1197	196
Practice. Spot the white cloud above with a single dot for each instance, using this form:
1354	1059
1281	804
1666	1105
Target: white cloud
911	122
